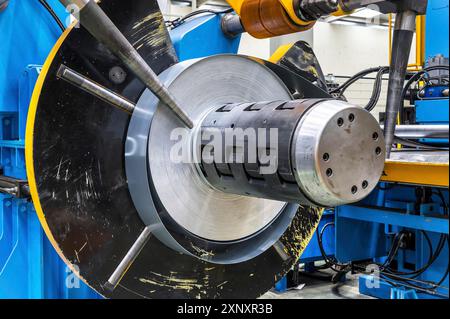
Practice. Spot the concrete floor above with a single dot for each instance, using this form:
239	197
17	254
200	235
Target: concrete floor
321	289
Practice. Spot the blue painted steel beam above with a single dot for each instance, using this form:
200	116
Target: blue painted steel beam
385	216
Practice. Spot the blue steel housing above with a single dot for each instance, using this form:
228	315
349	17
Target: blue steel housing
29	265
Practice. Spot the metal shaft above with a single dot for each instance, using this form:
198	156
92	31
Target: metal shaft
401	47
349	5
103	29
95	89
422	131
231	25
128	260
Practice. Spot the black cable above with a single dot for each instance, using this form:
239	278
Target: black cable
341	89
177	22
53	14
441	196
407	283
329	263
420	271
388	274
396	281
376	93
430	245
396	243
377	86
415	78
448	266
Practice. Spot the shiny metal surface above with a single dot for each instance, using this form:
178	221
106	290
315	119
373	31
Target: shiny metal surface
406	20
192	203
231	25
95	89
338	153
426	157
129	258
422	131
405	23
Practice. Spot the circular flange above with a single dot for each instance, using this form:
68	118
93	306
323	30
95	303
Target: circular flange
339	153
185	212
192	203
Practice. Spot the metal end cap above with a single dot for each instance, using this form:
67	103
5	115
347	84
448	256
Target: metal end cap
338	153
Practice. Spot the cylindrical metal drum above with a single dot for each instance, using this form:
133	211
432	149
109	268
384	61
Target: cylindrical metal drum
313	151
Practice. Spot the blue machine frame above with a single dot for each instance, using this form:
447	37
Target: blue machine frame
29	265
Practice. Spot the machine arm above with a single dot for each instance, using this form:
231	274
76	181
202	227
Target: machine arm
269	18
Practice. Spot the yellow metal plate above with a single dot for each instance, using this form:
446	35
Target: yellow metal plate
418	173
280	52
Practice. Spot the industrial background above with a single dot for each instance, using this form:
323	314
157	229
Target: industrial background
91	205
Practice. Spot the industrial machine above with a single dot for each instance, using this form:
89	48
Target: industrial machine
161	164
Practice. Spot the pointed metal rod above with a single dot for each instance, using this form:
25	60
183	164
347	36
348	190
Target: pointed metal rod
405	25
98	24
128	260
95	89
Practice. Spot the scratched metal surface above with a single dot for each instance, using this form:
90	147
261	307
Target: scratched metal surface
78	158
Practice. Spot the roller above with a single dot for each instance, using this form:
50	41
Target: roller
234	207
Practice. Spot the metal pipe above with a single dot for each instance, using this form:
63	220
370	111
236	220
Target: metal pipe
422	131
95	89
401	47
103	29
231	25
350	5
128	260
